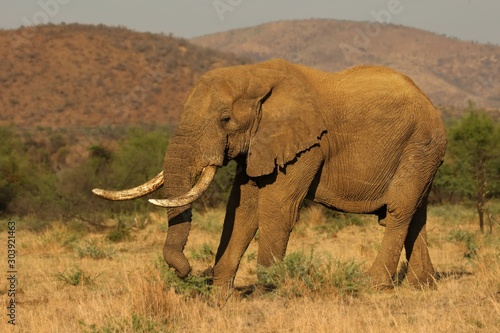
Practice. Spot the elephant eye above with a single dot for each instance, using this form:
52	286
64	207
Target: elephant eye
225	117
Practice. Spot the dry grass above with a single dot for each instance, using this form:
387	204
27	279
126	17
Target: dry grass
126	291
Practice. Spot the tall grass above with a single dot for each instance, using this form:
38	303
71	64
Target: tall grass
65	286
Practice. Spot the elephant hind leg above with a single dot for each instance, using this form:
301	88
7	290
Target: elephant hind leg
406	216
420	270
402	200
385	266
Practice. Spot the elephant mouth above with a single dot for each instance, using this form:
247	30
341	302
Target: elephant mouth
206	177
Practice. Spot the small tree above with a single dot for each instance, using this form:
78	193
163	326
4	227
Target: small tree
474	148
12	167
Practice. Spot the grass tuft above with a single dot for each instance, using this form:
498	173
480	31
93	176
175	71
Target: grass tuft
76	277
468	238
206	253
300	274
91	249
120	233
191	285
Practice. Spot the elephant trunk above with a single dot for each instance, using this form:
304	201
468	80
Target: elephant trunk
179	225
179	173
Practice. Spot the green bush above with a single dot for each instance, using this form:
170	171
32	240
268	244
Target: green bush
299	274
468	239
205	254
119	233
471	170
190	286
76	277
15	174
92	250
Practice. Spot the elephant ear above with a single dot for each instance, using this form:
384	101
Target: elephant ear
290	121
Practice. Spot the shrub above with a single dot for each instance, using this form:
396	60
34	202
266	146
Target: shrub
299	274
347	277
205	253
472	162
90	249
76	277
120	233
468	239
191	285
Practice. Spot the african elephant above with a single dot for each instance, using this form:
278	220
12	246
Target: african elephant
363	140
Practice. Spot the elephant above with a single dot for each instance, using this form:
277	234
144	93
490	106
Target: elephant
362	140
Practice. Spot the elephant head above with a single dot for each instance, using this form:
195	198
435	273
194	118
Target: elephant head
260	115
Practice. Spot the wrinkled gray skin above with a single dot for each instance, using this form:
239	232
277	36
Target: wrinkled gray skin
364	140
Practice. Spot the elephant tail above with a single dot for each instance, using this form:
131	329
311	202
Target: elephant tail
148	187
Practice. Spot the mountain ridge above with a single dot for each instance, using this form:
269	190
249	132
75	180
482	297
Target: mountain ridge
449	70
73	75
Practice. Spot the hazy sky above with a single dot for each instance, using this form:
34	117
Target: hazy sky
477	20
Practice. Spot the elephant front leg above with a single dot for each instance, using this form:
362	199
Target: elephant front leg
240	226
279	201
274	233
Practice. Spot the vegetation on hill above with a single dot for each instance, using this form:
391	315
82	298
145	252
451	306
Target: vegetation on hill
87	76
450	71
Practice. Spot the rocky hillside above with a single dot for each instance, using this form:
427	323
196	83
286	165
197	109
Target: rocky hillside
79	75
83	76
450	71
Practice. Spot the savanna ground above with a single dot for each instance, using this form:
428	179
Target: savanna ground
74	280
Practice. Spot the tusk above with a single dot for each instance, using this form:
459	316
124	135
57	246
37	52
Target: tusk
136	192
207	175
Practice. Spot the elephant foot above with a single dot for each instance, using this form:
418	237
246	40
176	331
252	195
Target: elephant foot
254	291
420	276
424	282
380	281
381	286
220	295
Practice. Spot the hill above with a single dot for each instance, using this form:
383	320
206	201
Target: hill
74	75
82	75
449	70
